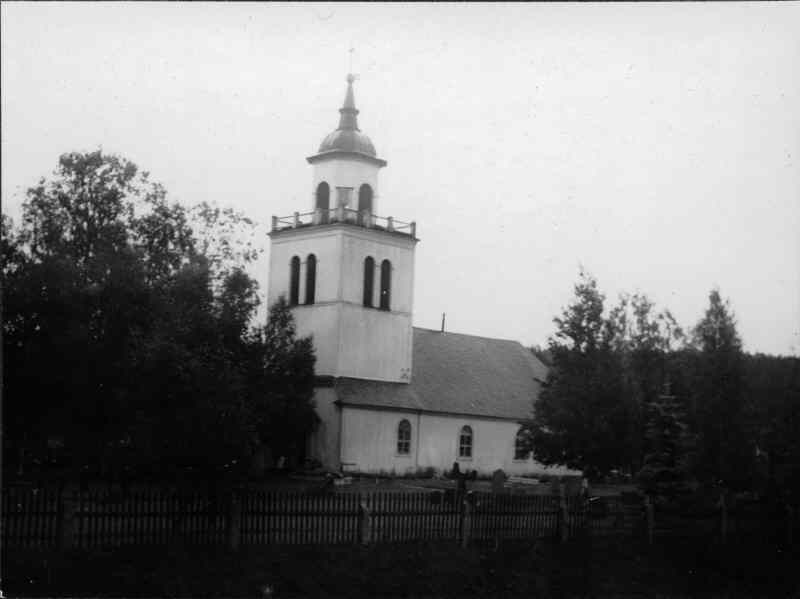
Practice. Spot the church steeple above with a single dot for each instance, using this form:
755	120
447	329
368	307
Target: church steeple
349	113
347	141
347	271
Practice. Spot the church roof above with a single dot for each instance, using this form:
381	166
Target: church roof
457	374
348	139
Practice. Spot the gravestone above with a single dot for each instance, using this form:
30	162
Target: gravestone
498	480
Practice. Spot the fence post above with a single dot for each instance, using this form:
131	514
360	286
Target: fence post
724	516
563	514
650	517
466	521
234	521
365	523
67	520
177	518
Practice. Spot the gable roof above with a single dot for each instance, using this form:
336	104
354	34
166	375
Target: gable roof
457	374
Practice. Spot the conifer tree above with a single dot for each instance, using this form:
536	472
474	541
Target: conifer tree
664	469
725	451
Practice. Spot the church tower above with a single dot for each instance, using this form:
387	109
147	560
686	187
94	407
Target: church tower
347	272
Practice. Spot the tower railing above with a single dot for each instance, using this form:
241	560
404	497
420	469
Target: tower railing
363	218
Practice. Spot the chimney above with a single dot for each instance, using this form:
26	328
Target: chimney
443	322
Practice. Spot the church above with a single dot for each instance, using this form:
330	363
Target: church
391	397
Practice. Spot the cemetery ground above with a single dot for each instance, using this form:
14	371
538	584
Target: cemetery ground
578	568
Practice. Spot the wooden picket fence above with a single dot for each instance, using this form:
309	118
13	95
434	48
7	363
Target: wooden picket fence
299	518
31	517
43	518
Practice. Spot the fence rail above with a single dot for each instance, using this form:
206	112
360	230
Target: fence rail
43	518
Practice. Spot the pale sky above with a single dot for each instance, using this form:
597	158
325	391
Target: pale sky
657	145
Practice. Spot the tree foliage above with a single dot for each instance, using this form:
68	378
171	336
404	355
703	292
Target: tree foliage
284	412
773	384
664	470
724	451
128	321
606	369
643	340
728	418
579	419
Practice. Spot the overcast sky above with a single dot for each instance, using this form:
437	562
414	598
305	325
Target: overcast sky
656	145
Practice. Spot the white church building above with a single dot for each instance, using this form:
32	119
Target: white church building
391	397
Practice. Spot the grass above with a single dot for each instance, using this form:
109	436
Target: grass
616	568
409	570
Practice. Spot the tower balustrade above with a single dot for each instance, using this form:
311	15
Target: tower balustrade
342	215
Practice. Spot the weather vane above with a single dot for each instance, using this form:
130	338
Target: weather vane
350	76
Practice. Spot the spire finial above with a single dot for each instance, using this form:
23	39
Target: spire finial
348	111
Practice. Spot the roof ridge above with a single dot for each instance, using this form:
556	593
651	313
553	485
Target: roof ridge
473	336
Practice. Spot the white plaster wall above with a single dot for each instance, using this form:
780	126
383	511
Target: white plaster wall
325	244
357	245
343	172
369	443
492	445
374	344
324	441
349	339
321	321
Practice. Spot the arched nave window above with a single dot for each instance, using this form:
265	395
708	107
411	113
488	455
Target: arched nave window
404	437
465	442
521	451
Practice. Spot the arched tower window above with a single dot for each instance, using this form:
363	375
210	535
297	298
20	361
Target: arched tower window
369	278
311	277
520	446
323	203
386	284
465	442
404	437
364	202
294	281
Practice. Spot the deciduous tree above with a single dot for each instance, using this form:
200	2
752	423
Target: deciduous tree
128	322
580	419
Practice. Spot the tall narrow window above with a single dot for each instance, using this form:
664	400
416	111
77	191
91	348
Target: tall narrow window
386	284
465	442
364	203
404	437
369	278
311	277
294	281
323	201
520	446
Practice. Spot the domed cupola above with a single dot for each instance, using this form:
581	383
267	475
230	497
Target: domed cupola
347	140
